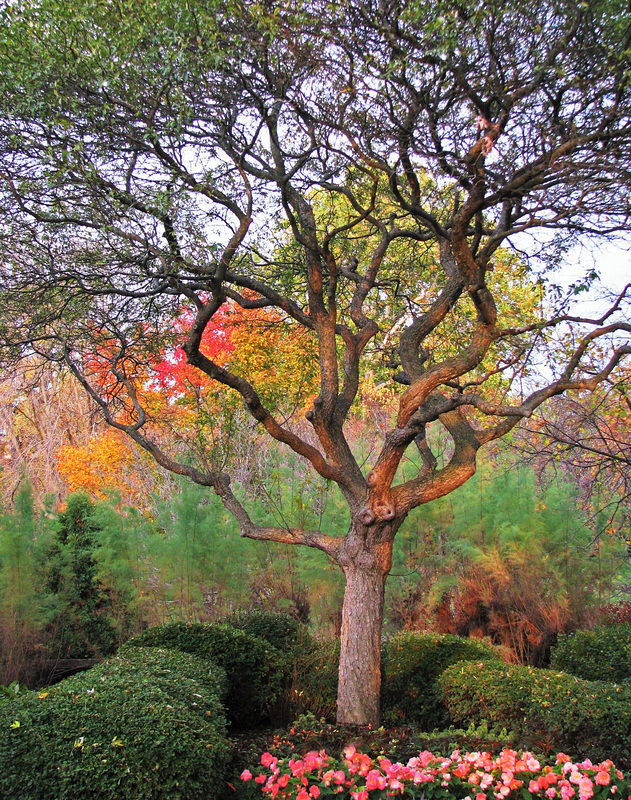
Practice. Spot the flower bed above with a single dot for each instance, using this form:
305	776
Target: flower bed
469	776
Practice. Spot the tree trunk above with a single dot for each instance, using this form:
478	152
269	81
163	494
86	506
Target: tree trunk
360	652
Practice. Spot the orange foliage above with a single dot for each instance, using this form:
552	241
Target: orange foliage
103	465
279	360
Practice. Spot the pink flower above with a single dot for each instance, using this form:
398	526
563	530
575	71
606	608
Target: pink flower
461	770
314	791
424	758
603	778
551	792
266	759
586	788
246	775
375	780
314	761
260	778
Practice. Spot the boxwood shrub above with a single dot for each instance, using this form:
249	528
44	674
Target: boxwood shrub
411	665
280	630
145	725
550	711
256	672
601	654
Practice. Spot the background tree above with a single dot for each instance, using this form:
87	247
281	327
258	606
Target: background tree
587	436
510	555
23	538
160	156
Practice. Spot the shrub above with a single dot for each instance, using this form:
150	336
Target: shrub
255	670
602	654
411	666
548	710
145	725
280	630
314	677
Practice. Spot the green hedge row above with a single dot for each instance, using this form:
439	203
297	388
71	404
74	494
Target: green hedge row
256	672
144	725
308	666
276	670
279	630
602	654
548	710
411	666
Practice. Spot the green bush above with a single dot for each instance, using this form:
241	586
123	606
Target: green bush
280	630
256	672
602	654
145	725
314	680
411	665
549	711
310	668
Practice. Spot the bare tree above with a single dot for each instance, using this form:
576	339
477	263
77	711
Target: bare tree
346	164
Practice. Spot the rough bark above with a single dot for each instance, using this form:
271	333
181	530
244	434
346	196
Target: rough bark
360	647
366	558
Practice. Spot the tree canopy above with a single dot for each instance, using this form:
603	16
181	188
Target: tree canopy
356	169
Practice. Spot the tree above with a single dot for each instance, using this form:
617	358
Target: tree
41	410
510	555
81	623
342	165
587	435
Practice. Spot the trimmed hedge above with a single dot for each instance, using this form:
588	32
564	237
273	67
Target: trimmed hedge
411	664
280	630
601	654
548	710
310	667
256	672
146	725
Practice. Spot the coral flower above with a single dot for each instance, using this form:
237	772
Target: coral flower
602	778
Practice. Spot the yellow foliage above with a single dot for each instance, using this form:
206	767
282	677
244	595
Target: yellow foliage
101	466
